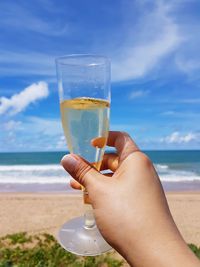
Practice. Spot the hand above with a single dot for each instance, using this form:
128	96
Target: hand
130	207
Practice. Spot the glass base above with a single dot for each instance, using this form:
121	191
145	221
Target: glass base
77	239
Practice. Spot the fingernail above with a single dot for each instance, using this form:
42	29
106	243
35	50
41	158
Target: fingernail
69	163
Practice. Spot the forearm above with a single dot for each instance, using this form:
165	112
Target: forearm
164	248
170	255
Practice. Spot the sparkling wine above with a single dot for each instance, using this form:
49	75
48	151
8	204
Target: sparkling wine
86	123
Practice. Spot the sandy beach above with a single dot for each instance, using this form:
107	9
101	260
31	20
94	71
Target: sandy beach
46	212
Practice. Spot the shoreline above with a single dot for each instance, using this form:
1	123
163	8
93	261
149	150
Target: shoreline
181	186
79	194
46	212
62	188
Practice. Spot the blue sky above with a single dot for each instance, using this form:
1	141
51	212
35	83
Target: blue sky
154	50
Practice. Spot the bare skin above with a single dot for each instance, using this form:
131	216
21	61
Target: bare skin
130	207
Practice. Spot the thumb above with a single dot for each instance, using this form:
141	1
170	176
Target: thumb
81	170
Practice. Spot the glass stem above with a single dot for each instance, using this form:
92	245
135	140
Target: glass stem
89	220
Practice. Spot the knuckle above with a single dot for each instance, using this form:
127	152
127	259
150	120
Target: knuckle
122	138
125	134
144	159
83	168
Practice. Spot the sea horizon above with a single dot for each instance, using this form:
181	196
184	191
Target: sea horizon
61	151
42	172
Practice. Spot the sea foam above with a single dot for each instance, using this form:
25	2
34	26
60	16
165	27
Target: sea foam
168	174
55	174
31	174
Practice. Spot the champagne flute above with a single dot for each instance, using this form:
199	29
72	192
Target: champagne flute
84	92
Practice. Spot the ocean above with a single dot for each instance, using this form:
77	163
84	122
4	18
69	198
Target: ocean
42	172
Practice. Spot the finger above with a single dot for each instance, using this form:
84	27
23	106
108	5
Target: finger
99	142
110	161
75	185
81	170
123	143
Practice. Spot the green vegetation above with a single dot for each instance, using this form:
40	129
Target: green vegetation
195	249
23	250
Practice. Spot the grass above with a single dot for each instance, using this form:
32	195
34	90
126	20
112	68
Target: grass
195	249
24	250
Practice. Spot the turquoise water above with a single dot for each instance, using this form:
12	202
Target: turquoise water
171	157
29	158
19	171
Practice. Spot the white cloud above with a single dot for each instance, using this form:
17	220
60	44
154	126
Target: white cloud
33	125
10	125
32	134
147	40
26	63
46	126
178	138
22	17
187	65
145	43
22	100
138	94
157	36
61	144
